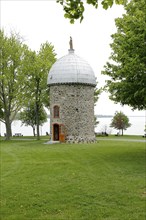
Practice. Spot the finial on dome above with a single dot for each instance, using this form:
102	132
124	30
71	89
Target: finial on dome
71	50
71	43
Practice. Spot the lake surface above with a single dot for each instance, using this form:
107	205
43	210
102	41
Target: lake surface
137	127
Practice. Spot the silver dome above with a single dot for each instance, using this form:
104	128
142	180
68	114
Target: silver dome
71	69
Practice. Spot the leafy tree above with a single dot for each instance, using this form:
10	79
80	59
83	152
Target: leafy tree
36	68
97	92
28	116
11	78
74	9
23	77
120	122
1	111
96	122
127	68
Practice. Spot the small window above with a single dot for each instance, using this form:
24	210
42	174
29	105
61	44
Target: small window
56	111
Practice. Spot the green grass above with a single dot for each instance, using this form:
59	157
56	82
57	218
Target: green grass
27	138
102	181
138	137
44	137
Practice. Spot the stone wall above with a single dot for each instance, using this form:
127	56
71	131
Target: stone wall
76	104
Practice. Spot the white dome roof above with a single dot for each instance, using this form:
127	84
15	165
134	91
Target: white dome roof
71	69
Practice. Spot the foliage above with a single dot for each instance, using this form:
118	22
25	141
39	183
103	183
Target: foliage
1	111
28	116
96	122
36	68
23	77
120	121
97	92
127	68
74	9
72	181
11	78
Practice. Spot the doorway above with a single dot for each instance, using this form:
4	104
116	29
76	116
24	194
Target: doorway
56	132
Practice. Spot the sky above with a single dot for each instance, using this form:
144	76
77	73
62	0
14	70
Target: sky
43	20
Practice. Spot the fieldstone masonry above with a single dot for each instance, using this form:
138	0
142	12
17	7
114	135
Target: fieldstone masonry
71	81
76	111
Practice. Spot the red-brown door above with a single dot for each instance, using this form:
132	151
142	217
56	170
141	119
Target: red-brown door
56	132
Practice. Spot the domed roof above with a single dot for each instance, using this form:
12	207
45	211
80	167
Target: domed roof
71	69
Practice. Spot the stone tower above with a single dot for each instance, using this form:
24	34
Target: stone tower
72	81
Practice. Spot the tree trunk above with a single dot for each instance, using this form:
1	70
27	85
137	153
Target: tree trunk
38	91
38	132
33	127
8	128
122	132
37	121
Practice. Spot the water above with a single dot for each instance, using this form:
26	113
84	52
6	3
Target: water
25	130
137	127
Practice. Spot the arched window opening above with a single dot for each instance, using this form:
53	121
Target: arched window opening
56	111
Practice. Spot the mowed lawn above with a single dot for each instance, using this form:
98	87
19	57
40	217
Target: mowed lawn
102	181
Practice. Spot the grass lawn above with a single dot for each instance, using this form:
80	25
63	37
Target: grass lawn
102	181
130	137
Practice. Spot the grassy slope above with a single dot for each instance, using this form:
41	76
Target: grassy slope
103	181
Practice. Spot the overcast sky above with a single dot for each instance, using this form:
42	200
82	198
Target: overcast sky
40	21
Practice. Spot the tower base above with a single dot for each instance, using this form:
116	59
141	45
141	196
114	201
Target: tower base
77	139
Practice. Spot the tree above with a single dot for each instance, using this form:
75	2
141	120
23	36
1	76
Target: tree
28	116
97	92
96	122
74	9
23	77
12	53
120	122
127	68
1	111
36	68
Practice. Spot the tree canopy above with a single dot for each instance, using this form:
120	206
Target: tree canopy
28	116
36	67
23	77
11	78
120	121
74	9
127	65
